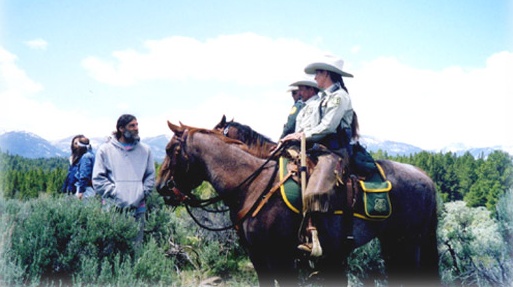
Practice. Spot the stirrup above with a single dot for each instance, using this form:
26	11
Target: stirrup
316	245
313	248
306	247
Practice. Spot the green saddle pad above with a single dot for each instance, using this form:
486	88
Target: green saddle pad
376	200
290	190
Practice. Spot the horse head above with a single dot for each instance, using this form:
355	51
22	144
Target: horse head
229	129
179	174
257	144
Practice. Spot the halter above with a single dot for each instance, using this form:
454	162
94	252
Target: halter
226	129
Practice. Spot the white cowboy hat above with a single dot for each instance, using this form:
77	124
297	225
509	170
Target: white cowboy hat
292	89
307	80
328	63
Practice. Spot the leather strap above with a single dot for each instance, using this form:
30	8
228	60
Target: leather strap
271	192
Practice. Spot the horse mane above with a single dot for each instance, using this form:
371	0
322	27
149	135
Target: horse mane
250	136
258	144
193	130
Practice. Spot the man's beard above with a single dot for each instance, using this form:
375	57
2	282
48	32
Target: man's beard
131	137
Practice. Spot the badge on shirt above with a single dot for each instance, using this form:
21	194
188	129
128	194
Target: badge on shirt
293	110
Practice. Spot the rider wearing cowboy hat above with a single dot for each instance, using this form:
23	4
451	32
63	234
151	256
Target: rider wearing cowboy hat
326	120
302	91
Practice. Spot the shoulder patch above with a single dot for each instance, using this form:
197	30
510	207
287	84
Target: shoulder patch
335	101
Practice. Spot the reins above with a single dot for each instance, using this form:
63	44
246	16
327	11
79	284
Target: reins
240	219
194	201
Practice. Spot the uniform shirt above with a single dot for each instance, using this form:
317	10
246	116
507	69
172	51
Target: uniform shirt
323	113
290	125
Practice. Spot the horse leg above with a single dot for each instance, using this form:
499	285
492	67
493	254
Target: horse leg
265	277
332	234
400	260
285	272
333	271
429	257
404	263
275	268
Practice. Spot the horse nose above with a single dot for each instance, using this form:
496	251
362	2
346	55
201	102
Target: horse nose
161	187
165	187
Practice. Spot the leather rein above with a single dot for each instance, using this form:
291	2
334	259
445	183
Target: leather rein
195	202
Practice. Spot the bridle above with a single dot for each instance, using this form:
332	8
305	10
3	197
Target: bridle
178	154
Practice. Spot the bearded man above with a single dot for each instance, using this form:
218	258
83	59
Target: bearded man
124	171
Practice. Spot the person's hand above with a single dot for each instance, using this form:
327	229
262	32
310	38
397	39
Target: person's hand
80	195
292	137
274	149
289	137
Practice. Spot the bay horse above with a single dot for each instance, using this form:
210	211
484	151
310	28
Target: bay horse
407	237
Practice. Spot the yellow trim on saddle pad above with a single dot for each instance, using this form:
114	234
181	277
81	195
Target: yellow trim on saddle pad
288	188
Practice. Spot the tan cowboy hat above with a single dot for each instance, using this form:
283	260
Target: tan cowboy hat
307	80
328	63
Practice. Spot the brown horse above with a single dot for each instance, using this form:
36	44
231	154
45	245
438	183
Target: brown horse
408	236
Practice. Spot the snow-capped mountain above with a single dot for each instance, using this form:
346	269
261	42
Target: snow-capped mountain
157	145
33	146
28	145
65	144
390	147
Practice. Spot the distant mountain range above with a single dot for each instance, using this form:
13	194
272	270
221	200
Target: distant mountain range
30	145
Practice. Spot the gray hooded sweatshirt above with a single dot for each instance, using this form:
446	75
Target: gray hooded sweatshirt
124	176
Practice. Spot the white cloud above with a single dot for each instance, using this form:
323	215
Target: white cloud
20	109
12	78
434	108
394	101
427	108
37	44
247	59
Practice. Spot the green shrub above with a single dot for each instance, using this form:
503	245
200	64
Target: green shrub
61	240
52	237
472	250
365	264
505	218
11	272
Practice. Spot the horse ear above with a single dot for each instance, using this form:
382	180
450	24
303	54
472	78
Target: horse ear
221	124
174	128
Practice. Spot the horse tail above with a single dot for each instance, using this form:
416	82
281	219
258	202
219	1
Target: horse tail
355	127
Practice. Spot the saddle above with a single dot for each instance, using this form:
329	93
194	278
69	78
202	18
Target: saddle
365	186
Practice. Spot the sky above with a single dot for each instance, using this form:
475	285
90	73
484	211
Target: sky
427	73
